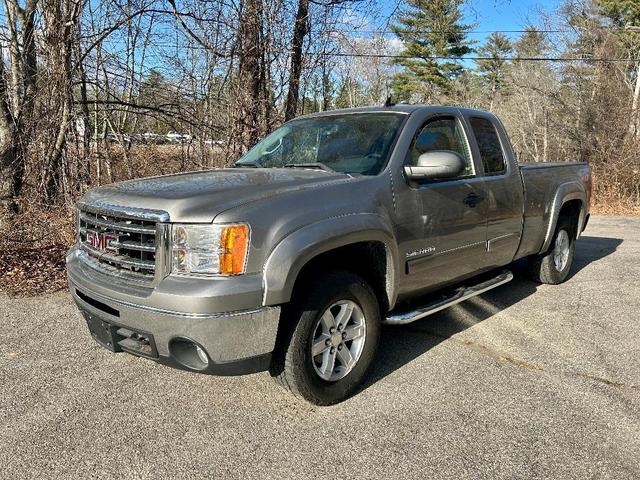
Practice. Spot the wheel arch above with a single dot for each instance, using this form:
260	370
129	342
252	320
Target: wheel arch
569	197
358	241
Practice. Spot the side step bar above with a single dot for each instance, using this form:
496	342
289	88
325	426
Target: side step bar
460	295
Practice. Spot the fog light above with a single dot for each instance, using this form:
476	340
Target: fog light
189	354
202	355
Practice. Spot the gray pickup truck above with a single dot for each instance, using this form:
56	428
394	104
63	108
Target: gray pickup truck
333	225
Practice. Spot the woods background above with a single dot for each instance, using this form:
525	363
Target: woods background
89	89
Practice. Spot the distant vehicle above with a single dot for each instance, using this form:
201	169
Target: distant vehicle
217	143
334	224
119	139
153	138
178	137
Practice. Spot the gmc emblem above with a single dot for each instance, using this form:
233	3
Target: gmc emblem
101	241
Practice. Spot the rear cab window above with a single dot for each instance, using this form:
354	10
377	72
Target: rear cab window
489	145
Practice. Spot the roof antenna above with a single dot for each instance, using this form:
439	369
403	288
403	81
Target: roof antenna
389	102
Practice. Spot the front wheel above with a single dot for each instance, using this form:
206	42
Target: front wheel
553	267
329	338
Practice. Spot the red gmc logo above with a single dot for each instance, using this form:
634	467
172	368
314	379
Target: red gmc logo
101	241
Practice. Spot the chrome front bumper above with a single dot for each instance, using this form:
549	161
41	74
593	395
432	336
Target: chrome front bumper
236	342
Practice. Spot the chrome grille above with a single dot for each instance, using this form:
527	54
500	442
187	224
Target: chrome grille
121	244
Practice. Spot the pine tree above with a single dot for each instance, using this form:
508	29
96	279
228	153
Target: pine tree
532	43
493	70
154	92
429	30
624	14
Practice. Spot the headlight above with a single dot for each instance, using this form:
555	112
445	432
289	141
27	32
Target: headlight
209	249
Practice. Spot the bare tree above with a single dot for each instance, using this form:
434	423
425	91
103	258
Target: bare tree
17	93
300	29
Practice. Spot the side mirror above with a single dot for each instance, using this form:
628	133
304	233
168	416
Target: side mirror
437	164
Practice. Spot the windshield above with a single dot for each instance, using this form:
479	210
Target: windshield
351	143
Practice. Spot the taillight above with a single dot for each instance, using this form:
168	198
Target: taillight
587	181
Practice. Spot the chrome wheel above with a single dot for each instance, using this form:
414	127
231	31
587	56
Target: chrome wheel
561	250
338	340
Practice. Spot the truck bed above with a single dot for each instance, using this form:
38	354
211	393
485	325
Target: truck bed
543	189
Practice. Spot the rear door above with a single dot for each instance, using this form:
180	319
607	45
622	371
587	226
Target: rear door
451	242
503	187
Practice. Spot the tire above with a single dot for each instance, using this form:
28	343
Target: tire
550	267
305	323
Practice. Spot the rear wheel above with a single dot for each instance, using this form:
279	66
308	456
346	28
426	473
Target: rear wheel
553	267
329	338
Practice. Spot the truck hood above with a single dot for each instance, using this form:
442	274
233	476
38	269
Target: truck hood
201	196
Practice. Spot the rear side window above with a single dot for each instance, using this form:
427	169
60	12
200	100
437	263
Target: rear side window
489	145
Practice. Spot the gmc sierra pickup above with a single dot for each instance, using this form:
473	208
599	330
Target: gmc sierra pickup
331	226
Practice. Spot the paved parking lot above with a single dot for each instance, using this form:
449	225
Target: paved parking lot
525	381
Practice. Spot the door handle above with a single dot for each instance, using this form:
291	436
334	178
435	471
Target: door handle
472	199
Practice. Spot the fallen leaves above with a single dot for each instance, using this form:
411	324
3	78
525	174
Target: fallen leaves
28	271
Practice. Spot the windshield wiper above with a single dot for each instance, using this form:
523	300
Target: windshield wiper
248	163
318	165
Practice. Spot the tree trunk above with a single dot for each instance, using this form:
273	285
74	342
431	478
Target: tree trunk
84	169
545	136
634	125
60	18
326	88
246	106
300	30
17	99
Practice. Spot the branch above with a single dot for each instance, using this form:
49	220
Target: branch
121	103
187	29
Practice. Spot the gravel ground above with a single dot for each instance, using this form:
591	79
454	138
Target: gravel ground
525	381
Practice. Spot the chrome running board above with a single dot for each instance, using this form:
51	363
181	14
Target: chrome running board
460	295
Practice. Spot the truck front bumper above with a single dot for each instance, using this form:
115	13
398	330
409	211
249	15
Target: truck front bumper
220	343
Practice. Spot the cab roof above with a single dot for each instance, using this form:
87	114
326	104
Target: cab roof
399	108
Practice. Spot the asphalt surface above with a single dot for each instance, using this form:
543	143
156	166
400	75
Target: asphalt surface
526	381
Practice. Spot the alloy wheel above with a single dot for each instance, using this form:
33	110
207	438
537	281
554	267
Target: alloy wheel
338	340
561	250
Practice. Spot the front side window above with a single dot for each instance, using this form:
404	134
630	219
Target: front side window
350	143
442	134
489	145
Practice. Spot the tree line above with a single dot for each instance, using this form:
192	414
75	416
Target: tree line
83	81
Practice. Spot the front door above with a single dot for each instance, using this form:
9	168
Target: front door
452	213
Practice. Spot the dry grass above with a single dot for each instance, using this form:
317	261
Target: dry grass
149	160
617	210
615	207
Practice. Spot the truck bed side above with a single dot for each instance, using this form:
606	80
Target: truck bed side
547	186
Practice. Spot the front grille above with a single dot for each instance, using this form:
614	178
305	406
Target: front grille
121	244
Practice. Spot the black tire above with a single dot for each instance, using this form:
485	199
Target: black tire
542	268
293	365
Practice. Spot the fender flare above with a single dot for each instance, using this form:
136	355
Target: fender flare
295	250
566	192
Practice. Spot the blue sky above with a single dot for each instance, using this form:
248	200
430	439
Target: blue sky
496	14
507	14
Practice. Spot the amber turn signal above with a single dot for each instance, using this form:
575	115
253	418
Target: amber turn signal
234	244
